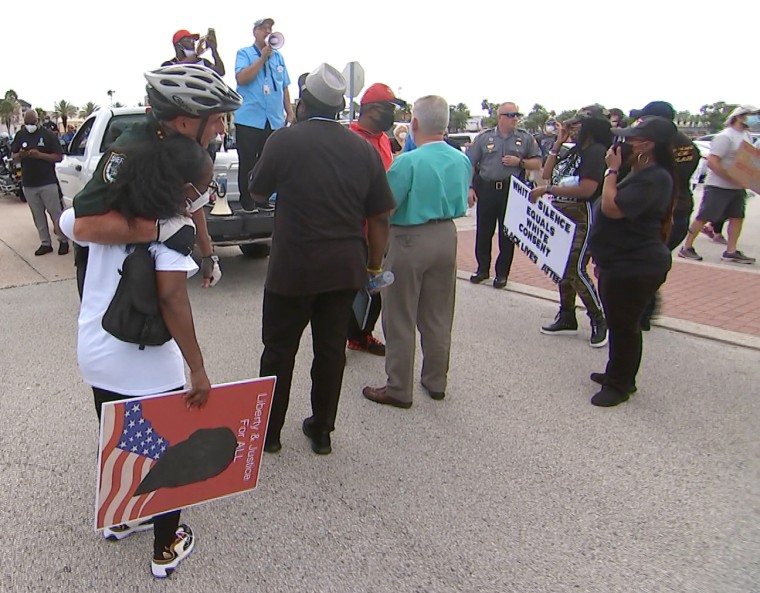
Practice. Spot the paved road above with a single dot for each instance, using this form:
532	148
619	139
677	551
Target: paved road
513	483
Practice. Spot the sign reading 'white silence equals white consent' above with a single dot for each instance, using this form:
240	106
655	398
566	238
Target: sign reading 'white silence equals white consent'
541	231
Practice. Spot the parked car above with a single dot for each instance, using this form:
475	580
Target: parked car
251	231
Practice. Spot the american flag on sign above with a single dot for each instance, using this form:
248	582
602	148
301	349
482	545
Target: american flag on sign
132	447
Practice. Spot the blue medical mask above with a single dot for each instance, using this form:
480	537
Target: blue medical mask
752	120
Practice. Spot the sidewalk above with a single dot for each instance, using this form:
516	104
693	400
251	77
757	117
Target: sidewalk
714	296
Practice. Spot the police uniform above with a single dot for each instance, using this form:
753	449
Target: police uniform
491	183
91	200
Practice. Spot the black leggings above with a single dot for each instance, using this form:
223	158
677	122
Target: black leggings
164	526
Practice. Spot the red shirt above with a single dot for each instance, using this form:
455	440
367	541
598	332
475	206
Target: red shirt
380	141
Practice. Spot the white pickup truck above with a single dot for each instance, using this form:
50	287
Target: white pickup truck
251	231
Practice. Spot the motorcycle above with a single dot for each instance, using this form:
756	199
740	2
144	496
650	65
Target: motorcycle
10	172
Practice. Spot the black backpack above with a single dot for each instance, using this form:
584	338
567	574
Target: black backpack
134	315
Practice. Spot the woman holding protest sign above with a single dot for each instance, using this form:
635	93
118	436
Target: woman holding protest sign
632	222
575	181
161	181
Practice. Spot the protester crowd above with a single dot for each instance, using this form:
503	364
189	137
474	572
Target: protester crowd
350	207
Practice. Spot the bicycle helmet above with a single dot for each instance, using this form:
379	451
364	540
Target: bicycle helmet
189	89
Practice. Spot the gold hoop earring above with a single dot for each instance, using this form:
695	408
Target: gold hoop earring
638	159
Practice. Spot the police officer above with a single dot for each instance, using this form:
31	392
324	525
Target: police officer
496	155
185	99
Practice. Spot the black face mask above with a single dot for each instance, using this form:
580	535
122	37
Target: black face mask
384	120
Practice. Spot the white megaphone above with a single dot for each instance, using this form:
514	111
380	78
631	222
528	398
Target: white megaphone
275	40
221	206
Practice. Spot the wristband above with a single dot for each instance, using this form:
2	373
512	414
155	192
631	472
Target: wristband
610	172
552	153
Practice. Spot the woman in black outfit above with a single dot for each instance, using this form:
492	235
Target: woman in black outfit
631	224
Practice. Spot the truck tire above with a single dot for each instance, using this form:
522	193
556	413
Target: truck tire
20	194
257	250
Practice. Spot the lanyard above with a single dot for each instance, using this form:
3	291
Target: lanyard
274	84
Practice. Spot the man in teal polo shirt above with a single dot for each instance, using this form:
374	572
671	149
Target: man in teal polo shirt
430	185
263	82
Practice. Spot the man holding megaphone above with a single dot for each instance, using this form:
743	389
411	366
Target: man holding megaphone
263	82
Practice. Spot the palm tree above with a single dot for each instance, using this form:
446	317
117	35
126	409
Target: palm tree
117	104
64	110
8	108
41	113
110	94
88	109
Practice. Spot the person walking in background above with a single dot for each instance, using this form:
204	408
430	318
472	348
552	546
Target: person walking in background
575	182
263	82
37	149
496	155
329	181
430	185
724	197
632	221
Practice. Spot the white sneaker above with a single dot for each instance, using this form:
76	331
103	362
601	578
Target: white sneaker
119	532
177	552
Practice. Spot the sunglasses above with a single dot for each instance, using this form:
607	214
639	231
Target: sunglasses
510	114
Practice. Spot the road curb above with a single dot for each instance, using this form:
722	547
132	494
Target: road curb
673	324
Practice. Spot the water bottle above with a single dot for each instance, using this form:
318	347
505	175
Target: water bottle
380	281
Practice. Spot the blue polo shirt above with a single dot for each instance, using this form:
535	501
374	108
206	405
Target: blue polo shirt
259	107
429	183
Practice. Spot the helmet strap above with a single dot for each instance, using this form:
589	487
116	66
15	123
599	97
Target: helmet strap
201	129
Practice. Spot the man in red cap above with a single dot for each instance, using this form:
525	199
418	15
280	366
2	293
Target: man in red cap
186	50
378	106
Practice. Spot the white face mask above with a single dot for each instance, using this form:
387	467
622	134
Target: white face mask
200	202
189	53
402	135
31	128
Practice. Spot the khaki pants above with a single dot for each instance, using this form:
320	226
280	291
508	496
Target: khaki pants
40	200
424	259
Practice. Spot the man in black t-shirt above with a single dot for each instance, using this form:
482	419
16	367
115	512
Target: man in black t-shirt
328	181
38	150
185	49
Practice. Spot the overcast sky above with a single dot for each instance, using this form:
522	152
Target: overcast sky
561	54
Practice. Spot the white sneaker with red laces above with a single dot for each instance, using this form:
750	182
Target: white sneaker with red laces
178	551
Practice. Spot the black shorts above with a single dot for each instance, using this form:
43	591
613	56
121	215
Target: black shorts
721	204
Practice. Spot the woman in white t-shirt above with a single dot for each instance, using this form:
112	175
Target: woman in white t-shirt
165	180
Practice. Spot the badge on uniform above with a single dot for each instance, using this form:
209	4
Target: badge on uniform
266	89
280	69
111	168
41	142
490	145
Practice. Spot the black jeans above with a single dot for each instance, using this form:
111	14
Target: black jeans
358	333
492	206
164	526
250	143
624	300
677	235
285	318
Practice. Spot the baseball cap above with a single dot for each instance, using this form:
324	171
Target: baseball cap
651	127
658	108
261	22
741	110
595	110
182	33
381	93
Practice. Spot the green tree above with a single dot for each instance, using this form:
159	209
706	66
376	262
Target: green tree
117	104
8	108
565	115
403	113
458	116
536	119
64	110
493	110
41	113
714	115
88	109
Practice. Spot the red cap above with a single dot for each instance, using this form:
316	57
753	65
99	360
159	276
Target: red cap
381	93
182	33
